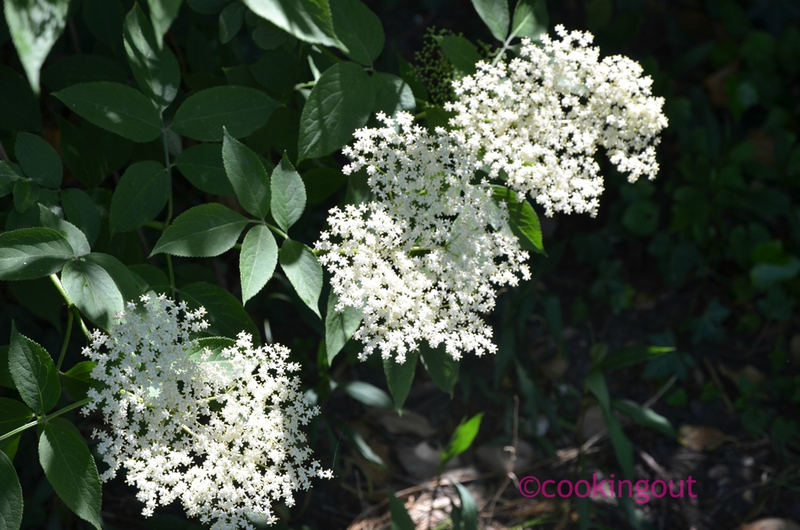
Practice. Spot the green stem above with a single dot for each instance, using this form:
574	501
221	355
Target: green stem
73	406
329	54
85	330
18	430
44	417
168	220
60	288
278	231
155	224
171	274
70	317
70	306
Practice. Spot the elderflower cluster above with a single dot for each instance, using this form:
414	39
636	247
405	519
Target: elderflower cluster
217	431
422	260
541	117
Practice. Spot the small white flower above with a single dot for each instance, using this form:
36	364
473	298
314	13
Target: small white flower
206	433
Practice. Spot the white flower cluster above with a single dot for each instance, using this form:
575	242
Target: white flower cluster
423	259
219	432
541	117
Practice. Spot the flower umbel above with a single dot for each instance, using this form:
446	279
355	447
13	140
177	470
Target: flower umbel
423	260
220	432
541	117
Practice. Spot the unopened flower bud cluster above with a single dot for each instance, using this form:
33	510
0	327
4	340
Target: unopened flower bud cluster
541	118
424	258
219	432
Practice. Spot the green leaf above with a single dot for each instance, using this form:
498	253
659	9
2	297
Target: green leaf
129	284
641	217
203	166
76	239
522	219
154	276
10	495
141	194
13	415
162	14
34	374
302	268
272	61
11	446
630	356
764	275
92	289
247	175
359	29
155	67
202	232
83	68
39	160
80	210
288	194
215	345
392	94
530	19
104	20
469	510
241	110
339	327
322	182
230	22
622	445
267	36
339	103
78	380
399	377
114	107
35	25
495	15
257	260
441	366
460	52
226	315
308	20
400	518
596	384
462	438
26	195
367	394
90	152
363	448
32	253
24	114
644	417
70	469
9	175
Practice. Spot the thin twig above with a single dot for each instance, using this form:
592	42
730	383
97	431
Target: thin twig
713	372
511	462
667	477
661	391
